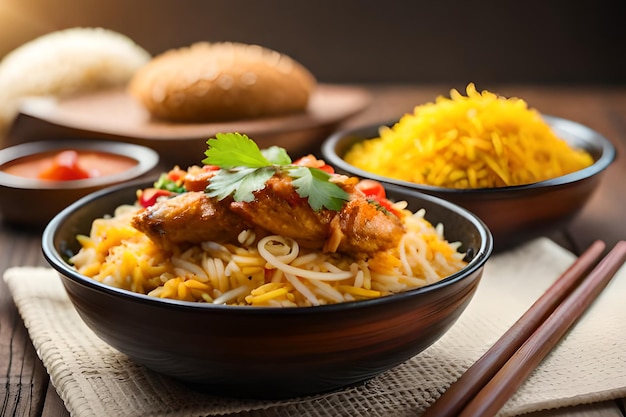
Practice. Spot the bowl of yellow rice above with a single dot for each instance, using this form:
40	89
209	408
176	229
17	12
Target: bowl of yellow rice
522	172
258	351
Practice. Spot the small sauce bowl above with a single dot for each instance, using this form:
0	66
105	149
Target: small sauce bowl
27	200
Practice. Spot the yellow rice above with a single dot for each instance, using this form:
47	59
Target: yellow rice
476	141
261	271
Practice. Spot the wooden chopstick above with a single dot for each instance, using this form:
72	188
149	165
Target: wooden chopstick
508	379
459	394
467	386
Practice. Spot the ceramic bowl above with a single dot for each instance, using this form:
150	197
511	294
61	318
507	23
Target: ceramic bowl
268	352
32	202
513	214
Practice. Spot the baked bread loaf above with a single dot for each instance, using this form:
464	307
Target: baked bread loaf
211	82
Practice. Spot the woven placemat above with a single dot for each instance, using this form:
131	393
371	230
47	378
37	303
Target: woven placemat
589	365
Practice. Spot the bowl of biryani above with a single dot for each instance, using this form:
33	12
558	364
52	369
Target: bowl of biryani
523	173
227	293
39	179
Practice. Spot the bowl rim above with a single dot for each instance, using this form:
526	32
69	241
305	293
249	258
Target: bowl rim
56	261
145	157
607	156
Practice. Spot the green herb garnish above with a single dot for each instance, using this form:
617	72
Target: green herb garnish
244	169
165	183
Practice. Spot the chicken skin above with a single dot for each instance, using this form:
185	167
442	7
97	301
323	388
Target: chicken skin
191	217
361	227
280	210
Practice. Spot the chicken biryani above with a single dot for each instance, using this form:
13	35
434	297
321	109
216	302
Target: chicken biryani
251	227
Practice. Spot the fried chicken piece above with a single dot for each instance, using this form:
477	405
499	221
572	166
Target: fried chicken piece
191	217
358	228
361	228
279	209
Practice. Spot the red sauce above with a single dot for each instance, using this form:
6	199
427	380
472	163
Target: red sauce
69	165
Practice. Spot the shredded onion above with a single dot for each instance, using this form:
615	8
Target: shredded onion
288	269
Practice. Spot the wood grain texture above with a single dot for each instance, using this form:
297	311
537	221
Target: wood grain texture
601	108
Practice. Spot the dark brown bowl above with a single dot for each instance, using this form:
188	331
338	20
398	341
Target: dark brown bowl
33	203
513	214
269	352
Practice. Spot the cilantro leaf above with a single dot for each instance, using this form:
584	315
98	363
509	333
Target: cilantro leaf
314	184
226	183
276	155
230	150
254	181
245	169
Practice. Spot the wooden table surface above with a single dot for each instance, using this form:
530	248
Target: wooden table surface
25	389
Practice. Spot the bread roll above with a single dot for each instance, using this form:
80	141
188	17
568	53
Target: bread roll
210	82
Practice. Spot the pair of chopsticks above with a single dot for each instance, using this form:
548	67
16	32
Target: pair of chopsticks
487	385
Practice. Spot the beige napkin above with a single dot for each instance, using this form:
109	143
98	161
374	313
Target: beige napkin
589	365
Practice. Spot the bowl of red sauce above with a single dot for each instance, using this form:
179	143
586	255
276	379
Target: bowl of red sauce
39	179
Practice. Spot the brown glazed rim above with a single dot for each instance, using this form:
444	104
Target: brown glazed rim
56	260
583	133
145	157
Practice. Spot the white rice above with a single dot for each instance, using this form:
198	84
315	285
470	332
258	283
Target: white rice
66	62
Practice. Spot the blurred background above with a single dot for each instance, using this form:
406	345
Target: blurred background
350	41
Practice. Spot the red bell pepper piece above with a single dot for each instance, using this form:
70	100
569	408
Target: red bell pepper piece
65	167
